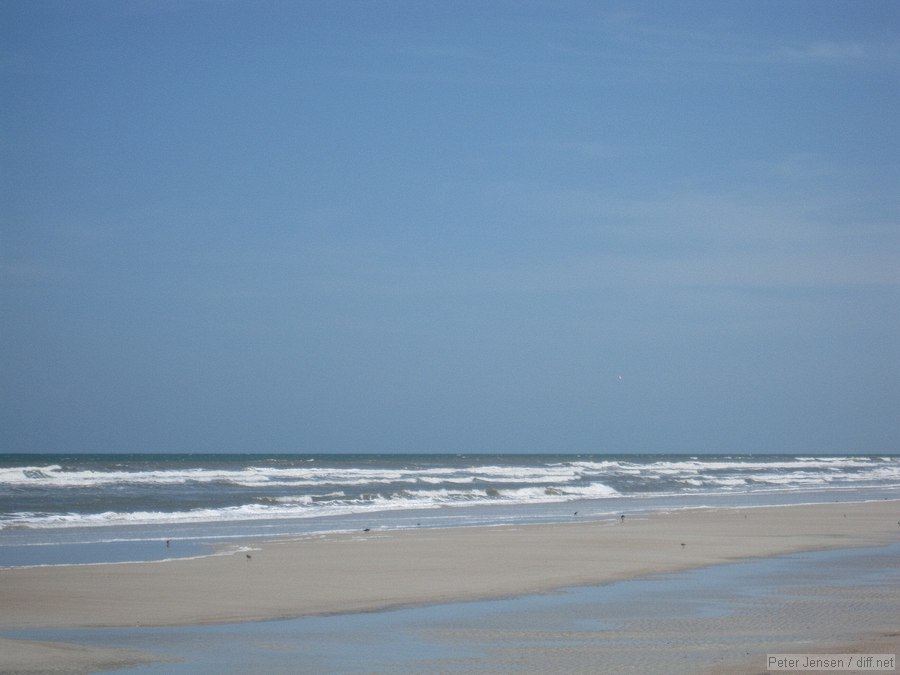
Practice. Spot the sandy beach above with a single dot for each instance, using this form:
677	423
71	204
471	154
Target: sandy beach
30	656
370	571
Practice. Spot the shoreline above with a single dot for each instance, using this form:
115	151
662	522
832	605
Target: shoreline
379	570
241	543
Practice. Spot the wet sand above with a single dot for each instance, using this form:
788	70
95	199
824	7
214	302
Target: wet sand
379	570
30	656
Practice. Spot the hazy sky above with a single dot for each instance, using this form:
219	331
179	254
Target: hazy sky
457	226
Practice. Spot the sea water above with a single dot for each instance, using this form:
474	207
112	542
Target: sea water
68	509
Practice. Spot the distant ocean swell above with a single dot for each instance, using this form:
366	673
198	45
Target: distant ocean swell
40	492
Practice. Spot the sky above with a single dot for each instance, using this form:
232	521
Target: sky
454	227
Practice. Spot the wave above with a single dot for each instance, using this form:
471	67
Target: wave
55	476
66	493
310	506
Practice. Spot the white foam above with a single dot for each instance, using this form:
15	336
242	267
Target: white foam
310	476
323	491
307	506
55	476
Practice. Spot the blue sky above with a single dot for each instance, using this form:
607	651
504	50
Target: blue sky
450	227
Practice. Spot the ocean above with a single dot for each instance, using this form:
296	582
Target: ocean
67	509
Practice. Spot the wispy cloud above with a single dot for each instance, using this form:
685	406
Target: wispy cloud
784	270
824	52
642	39
702	240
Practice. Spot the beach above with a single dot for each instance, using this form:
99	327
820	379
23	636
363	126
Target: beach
380	570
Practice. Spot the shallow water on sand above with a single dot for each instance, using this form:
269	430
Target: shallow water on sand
24	547
679	622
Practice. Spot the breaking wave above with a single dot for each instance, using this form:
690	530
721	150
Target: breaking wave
100	490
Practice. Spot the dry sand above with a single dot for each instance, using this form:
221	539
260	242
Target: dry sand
372	571
379	570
